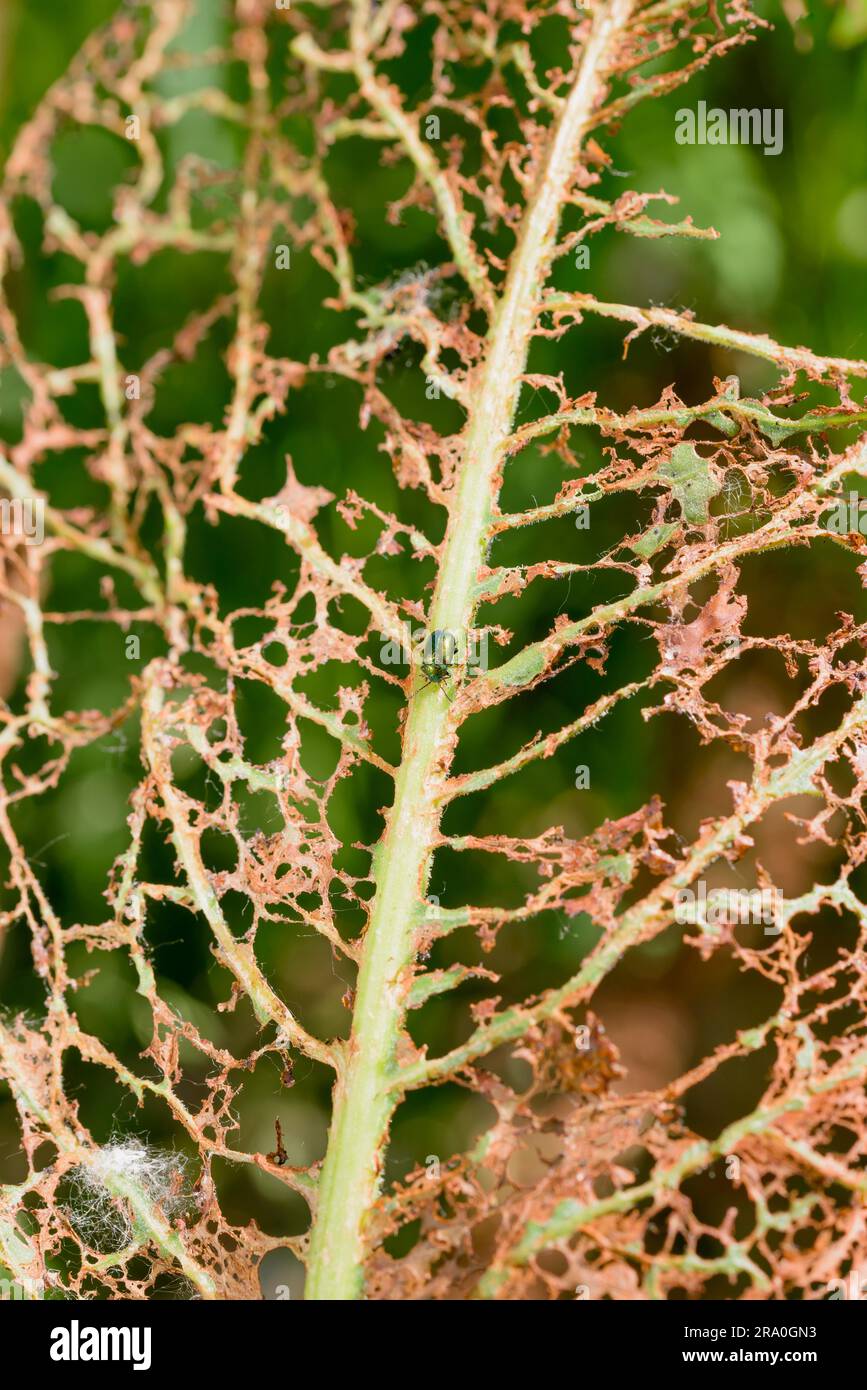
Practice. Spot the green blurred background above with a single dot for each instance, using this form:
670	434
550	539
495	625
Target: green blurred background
791	260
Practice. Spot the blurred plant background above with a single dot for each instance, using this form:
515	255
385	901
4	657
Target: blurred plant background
791	260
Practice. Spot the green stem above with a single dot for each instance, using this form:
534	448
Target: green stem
365	1093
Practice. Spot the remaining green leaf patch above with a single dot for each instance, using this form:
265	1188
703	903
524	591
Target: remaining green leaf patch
654	539
692	482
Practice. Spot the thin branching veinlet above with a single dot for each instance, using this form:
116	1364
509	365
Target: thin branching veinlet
577	1183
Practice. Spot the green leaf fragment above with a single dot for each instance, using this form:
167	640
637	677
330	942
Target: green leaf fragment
692	482
522	669
776	432
489	586
654	539
724	423
435	982
651	227
617	866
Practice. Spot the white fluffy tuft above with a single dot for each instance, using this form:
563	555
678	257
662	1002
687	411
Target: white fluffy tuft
99	1215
